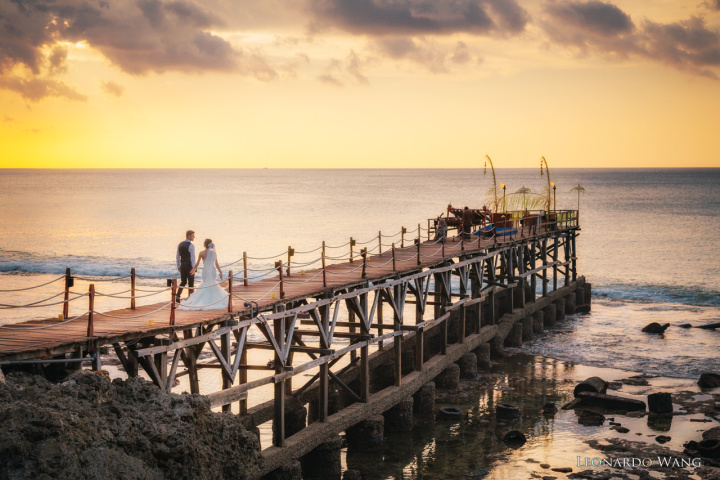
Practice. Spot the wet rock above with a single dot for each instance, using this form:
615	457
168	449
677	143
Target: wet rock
90	427
514	439
621	429
574	403
635	414
709	380
592	384
2	377
480	473
591	418
660	422
468	365
655	327
709	448
562	469
482	352
612	402
550	409
685	325
448	378
637	381
544	465
352	475
712	433
424	400
660	402
662	439
505	410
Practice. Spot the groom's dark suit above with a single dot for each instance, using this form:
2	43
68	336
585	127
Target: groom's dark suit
185	262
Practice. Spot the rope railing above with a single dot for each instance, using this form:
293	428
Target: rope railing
8	327
111	279
35	304
33	287
337	246
133	316
305	281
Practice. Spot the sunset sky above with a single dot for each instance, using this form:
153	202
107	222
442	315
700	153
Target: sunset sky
359	83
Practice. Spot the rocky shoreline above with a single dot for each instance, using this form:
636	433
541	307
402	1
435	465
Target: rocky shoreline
90	427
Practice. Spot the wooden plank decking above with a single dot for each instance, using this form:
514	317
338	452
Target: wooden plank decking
28	341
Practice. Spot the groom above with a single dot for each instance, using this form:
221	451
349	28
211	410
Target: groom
185	259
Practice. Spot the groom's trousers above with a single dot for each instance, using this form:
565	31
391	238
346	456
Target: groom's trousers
185	279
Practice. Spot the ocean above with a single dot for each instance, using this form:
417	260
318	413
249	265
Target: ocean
647	245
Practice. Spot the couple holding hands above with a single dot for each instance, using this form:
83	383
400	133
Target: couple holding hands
210	295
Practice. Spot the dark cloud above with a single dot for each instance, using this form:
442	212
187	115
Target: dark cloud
112	88
424	52
461	54
600	18
604	28
138	36
420	17
338	72
35	89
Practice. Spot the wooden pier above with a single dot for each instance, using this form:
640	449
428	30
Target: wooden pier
462	291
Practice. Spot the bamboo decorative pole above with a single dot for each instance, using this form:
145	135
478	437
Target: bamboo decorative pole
66	305
323	265
230	282
173	305
91	311
245	275
132	288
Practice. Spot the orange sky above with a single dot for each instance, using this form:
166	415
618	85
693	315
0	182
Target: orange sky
359	83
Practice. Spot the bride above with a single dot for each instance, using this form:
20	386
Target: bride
210	295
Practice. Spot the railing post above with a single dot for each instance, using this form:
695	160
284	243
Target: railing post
91	310
393	256
379	242
363	254
352	244
291	252
323	265
279	267
417	244
230	281
66	305
173	305
403	231
245	275
132	288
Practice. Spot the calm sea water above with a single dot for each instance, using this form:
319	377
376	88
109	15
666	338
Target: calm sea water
648	242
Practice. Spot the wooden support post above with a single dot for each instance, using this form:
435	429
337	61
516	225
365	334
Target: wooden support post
173	306
97	362
66	304
379	242
419	347
493	310
363	254
245	271
364	373
225	349
191	354
323	392
463	319
91	311
279	267
573	255
398	359
132	288
323	265
555	257
543	253
393	256
379	315
352	244
279	401
291	252
242	379
230	294
417	244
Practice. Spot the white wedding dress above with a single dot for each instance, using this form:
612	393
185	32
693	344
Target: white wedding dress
210	295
